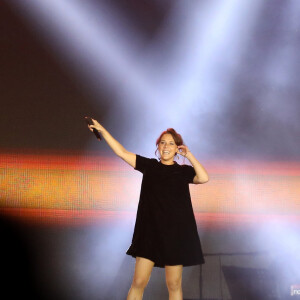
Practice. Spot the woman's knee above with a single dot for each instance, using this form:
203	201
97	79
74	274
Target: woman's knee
139	282
174	284
143	268
174	277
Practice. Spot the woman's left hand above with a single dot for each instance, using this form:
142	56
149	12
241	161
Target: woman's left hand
183	150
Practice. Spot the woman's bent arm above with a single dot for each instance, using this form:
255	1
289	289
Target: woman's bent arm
201	174
119	150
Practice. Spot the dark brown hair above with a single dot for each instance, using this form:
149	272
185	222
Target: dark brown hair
176	136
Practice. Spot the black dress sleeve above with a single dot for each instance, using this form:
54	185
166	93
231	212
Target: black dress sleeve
188	173
142	163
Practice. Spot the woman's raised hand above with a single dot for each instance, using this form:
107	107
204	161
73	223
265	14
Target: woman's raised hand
183	150
97	126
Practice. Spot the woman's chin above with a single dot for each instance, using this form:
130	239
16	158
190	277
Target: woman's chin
168	158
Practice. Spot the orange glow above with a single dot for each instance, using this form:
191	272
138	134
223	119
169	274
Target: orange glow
85	188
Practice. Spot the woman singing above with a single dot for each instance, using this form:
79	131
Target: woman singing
165	233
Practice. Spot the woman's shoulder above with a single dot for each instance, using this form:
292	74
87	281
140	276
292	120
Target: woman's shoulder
143	163
141	157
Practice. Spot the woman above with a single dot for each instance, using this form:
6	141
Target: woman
165	233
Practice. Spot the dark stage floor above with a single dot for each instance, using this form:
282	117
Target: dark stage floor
81	262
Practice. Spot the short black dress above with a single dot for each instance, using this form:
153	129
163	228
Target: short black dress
165	229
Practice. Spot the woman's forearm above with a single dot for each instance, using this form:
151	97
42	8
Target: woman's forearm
199	169
112	142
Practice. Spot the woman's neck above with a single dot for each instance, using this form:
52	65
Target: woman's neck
167	162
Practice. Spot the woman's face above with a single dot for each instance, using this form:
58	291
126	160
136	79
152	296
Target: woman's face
167	148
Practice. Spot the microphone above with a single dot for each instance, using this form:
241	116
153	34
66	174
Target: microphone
89	121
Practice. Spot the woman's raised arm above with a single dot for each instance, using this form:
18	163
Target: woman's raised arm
119	150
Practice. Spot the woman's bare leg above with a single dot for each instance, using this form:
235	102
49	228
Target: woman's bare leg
142	272
174	279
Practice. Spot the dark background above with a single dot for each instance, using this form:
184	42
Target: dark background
43	102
